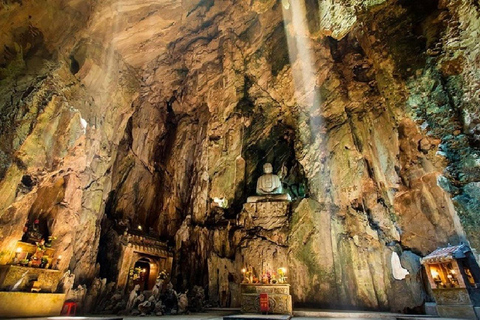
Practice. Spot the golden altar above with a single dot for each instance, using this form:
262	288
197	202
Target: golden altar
279	298
46	279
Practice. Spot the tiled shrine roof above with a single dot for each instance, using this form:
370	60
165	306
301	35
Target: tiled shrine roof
145	243
446	254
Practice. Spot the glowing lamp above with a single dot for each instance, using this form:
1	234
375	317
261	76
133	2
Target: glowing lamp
139	227
19	250
434	273
244	270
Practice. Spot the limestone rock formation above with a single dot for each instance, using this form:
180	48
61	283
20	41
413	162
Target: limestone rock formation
117	114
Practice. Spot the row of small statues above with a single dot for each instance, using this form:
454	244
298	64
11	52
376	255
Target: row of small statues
155	302
104	298
158	301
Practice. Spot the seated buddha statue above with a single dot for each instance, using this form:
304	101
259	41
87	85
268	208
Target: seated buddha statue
269	187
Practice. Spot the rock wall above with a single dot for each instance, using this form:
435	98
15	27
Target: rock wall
62	112
145	113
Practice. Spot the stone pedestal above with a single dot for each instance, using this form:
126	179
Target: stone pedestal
10	274
454	303
279	298
266	215
269	198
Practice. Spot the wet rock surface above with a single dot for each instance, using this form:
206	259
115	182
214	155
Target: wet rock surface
146	113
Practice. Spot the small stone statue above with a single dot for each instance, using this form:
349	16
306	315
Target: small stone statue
78	295
158	308
170	300
398	272
197	298
66	284
147	306
269	187
138	300
157	289
132	297
32	232
105	294
18	285
182	303
183	233
93	294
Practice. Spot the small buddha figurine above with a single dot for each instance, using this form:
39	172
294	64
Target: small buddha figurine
269	187
32	233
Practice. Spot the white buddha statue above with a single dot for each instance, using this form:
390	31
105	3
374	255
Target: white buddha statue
269	187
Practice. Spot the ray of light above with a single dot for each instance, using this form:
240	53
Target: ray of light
300	53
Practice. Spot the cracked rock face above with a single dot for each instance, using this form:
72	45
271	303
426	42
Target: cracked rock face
119	114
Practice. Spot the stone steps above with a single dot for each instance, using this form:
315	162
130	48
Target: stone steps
332	314
89	318
346	314
257	317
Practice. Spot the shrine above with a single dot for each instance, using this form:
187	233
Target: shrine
276	293
32	275
143	259
264	287
454	276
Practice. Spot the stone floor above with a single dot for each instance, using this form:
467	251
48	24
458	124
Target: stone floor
298	315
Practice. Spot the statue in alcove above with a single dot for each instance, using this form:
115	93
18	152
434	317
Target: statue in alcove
32	233
269	187
293	182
